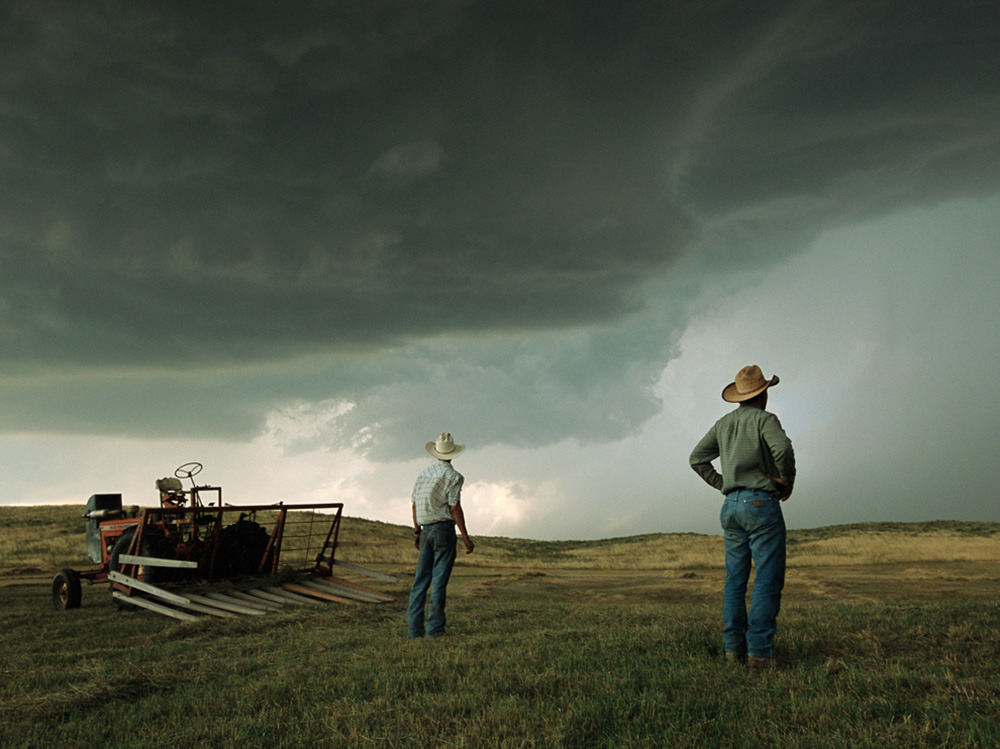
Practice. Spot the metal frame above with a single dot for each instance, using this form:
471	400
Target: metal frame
203	525
194	540
197	528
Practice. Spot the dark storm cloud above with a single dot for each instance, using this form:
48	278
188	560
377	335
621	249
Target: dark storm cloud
192	188
350	176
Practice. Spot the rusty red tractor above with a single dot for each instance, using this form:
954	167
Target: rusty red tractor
188	538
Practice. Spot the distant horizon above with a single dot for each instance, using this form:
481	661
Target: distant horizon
872	524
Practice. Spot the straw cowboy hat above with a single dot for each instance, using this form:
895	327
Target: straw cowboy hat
749	384
444	448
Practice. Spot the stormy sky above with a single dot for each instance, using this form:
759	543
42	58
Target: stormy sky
296	241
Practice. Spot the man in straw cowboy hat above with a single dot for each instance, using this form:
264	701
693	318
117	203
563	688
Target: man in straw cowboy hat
758	472
436	511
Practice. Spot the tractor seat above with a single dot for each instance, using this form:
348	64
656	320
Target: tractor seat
170	485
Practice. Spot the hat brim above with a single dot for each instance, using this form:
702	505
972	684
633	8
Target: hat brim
432	449
731	395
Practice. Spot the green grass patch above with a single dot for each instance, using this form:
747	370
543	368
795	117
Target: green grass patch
575	644
529	672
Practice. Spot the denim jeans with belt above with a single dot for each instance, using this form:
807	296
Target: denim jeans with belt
434	564
754	529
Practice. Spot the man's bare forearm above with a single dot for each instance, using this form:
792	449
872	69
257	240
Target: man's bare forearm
459	515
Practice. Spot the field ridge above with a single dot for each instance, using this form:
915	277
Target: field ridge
42	539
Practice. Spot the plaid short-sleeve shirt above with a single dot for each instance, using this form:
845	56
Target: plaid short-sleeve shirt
438	488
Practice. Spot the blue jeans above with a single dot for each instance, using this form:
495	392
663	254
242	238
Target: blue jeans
754	529
434	563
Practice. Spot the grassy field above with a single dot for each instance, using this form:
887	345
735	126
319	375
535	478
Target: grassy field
888	636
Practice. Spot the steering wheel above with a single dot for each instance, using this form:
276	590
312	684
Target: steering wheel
188	470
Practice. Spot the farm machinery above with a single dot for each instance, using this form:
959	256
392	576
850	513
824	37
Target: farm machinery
193	536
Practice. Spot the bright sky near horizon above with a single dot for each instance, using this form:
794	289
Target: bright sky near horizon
296	242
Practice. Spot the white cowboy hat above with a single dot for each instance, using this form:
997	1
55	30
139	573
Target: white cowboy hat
444	448
749	384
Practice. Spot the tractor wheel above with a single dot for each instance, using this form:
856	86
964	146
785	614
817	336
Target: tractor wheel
154	544
241	548
66	590
120	547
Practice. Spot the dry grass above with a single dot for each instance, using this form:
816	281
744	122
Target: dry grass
865	548
41	538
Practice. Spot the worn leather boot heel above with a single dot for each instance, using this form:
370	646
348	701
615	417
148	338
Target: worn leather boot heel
736	659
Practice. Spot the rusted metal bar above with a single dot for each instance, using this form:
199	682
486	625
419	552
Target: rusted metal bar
210	610
331	544
225	605
274	542
289	596
226	598
318	593
243	596
342	590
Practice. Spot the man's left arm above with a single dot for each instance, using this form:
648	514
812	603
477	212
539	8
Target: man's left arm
454	495
459	515
784	456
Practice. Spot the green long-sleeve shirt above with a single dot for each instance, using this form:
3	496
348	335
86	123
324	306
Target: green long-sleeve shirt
751	445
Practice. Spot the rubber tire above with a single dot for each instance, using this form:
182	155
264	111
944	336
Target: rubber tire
241	547
154	544
66	590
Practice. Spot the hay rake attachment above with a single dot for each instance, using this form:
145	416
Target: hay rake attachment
188	606
145	554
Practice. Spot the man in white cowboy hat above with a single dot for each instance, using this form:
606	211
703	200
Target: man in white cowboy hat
758	472
437	494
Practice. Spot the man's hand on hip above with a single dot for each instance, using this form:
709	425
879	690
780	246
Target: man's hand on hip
784	490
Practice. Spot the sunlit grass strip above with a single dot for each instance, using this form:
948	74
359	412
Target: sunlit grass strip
885	547
48	537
